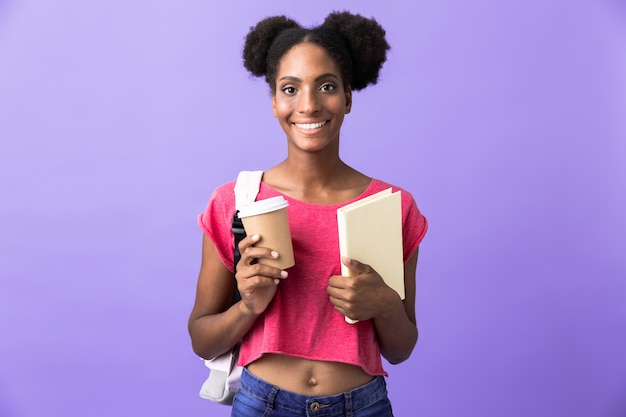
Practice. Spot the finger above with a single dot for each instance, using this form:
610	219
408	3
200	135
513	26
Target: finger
257	281
260	269
337	303
334	292
253	252
247	242
342	308
248	286
249	252
338	282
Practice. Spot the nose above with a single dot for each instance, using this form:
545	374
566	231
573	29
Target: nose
309	101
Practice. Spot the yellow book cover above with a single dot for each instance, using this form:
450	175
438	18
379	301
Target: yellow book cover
370	231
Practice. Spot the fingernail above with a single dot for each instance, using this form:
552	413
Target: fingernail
274	254
276	281
283	274
255	237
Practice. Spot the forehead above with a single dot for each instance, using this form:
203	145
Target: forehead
307	59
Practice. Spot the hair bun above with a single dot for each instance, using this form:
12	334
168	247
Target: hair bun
366	41
259	40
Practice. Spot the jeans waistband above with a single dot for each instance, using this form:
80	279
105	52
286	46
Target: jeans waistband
331	405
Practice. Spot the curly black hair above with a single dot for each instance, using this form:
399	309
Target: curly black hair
356	44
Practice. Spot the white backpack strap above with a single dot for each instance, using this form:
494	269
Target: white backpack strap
247	188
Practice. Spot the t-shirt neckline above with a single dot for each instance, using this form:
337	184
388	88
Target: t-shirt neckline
295	202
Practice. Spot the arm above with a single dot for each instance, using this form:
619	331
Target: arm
214	325
366	296
396	327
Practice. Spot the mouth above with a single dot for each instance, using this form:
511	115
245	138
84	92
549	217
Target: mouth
311	126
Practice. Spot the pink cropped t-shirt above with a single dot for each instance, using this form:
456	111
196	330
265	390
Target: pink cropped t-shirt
301	321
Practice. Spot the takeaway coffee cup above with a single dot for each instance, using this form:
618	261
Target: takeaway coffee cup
268	218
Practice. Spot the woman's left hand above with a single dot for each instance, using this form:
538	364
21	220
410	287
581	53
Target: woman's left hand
362	296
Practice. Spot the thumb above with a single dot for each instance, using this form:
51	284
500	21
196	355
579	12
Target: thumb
355	266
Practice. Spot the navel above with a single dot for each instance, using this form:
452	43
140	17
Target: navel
312	382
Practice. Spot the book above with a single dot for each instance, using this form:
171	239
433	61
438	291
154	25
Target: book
370	231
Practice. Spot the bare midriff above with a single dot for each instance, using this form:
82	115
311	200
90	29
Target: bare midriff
308	377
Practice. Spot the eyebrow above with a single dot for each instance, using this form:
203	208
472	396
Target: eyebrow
292	78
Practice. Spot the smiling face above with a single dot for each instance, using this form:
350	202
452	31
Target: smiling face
310	100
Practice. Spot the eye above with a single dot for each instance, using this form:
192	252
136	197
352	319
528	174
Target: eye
289	90
328	87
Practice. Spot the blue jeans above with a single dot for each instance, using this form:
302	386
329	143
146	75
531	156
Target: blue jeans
257	398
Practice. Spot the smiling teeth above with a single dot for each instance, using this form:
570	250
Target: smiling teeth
310	126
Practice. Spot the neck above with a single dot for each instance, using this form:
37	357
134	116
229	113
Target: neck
316	177
314	169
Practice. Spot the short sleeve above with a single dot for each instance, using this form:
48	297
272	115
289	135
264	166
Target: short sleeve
216	222
414	225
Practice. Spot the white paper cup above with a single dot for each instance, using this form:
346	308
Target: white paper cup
268	218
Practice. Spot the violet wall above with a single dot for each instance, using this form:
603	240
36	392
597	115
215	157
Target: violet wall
506	120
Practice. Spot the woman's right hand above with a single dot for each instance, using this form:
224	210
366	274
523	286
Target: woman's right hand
257	283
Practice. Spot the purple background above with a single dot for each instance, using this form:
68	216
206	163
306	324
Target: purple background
506	120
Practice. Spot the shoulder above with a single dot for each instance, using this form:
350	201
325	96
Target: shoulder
414	223
224	193
379	185
221	203
226	188
410	211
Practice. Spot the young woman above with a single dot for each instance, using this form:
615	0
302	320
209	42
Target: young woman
300	355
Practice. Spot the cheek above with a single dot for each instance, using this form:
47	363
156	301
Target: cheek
339	104
281	108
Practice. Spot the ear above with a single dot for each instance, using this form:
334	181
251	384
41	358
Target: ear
274	104
348	93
